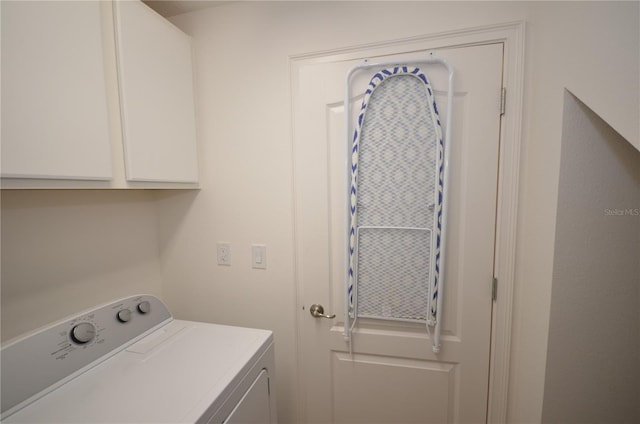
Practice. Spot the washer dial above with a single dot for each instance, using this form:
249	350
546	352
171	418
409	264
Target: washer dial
124	315
83	333
144	307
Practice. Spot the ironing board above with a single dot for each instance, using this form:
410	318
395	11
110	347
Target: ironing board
397	199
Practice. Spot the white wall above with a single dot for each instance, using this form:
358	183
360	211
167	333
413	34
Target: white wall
65	251
50	239
242	52
593	360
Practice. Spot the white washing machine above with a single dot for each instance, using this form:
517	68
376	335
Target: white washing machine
129	361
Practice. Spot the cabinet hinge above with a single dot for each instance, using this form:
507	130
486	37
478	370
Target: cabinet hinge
494	289
503	100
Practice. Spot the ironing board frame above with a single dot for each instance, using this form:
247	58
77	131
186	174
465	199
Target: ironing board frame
431	60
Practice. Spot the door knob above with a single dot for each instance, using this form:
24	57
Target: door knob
317	311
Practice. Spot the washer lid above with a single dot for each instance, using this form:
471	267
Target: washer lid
171	376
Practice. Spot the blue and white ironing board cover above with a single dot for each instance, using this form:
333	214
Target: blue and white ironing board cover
407	126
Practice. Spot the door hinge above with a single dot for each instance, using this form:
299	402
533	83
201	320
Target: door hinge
494	289
503	100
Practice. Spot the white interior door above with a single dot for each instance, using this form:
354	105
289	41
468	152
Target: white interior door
391	374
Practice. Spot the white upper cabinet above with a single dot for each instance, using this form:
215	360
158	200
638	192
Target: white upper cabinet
95	95
156	96
55	122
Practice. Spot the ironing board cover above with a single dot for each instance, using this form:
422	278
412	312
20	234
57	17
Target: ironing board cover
396	200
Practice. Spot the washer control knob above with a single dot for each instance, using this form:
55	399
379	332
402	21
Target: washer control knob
124	315
144	307
83	333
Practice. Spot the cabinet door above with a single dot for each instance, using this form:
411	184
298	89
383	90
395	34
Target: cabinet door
156	96
55	121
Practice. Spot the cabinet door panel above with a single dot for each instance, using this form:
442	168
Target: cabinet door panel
156	96
55	121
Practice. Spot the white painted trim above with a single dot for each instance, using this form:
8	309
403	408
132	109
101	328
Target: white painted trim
511	34
506	221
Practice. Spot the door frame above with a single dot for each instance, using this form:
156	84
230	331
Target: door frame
511	34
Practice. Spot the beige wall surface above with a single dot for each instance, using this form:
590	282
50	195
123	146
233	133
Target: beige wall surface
65	251
243	107
593	361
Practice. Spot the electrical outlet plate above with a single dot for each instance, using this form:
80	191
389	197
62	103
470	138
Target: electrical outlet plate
224	254
259	256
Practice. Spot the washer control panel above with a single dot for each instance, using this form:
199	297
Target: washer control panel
57	351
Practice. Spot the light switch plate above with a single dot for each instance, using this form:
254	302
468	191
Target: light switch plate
259	256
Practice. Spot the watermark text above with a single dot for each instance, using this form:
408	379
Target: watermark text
622	212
